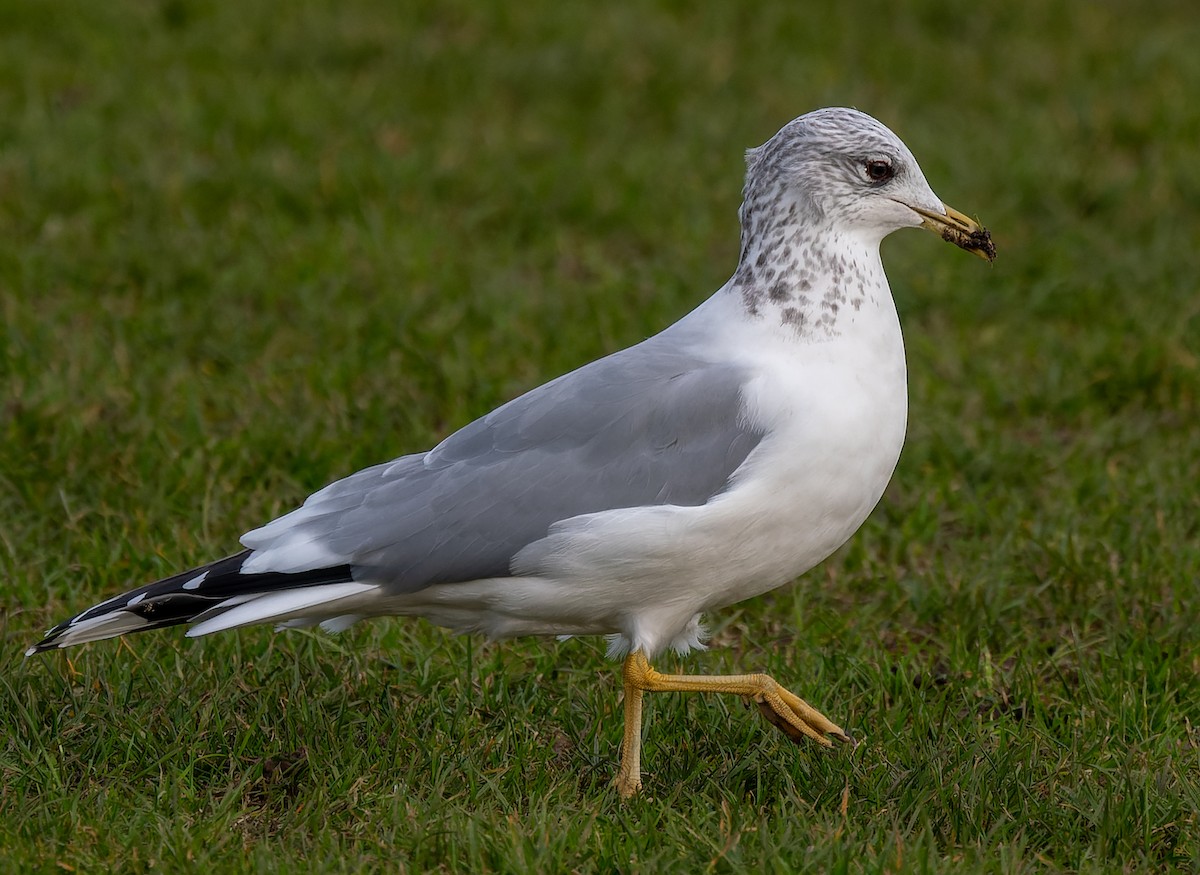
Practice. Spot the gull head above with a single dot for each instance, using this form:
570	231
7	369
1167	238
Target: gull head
840	171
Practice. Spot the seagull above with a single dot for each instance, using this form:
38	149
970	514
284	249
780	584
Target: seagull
710	463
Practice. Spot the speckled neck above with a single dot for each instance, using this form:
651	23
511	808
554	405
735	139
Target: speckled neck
794	266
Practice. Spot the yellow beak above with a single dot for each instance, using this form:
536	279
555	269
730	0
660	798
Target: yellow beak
959	229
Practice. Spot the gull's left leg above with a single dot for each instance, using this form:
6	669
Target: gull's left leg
629	774
782	708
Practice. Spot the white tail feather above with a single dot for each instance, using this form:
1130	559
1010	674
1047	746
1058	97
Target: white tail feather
329	624
340	624
283	606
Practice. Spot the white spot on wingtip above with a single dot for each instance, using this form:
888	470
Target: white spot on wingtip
135	600
30	652
195	582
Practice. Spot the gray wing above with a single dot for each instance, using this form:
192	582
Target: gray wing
649	425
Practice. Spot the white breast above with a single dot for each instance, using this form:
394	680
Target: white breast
834	405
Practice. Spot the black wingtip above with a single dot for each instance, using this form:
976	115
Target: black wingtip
178	599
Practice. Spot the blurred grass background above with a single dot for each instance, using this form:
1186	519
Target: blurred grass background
249	248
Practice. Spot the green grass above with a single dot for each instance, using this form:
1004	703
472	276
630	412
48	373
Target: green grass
249	248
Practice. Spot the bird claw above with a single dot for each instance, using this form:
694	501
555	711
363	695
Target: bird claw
798	720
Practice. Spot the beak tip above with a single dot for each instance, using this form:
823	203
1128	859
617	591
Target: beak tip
966	233
980	242
959	229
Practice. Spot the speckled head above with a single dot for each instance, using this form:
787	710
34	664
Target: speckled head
840	171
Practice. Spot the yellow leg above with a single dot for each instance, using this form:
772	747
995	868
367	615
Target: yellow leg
782	708
629	774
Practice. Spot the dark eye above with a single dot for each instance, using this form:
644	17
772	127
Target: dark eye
879	170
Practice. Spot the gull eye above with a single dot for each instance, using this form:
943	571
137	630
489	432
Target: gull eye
879	170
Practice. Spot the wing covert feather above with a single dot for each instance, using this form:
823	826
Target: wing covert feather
649	425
